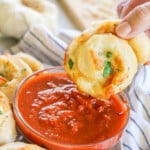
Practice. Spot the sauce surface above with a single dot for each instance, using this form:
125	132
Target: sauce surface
51	104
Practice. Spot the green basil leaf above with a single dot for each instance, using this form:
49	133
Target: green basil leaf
1	74
108	54
1	112
107	69
70	62
23	69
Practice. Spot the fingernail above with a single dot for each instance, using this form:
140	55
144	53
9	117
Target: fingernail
123	29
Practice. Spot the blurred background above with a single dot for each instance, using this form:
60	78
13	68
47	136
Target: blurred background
77	14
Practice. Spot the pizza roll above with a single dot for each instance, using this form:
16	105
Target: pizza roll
141	47
99	62
12	71
7	123
20	146
33	63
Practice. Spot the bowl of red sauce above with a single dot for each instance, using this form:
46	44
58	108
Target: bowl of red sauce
51	112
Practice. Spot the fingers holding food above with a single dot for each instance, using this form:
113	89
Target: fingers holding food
33	63
20	146
140	43
102	65
7	123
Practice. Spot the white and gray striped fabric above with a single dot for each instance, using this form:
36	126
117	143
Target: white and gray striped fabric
50	49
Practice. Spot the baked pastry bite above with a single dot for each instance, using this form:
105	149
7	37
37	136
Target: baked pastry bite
7	123
12	71
23	14
99	62
20	146
33	63
141	47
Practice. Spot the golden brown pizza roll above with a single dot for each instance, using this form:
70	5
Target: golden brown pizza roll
20	146
33	63
12	71
99	62
141	47
7	123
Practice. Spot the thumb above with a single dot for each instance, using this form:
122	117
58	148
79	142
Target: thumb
137	20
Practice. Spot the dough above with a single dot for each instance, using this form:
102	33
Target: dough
99	62
33	63
20	146
7	123
13	70
17	16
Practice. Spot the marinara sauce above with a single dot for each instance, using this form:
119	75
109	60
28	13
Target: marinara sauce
52	106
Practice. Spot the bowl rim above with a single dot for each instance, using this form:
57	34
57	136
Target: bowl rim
35	132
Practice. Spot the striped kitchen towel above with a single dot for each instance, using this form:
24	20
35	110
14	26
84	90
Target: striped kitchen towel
50	49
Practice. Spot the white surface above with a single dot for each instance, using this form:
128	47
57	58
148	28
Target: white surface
64	22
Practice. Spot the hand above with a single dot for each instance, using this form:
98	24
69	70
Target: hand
136	18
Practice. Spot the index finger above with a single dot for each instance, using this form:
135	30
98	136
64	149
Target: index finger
130	5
